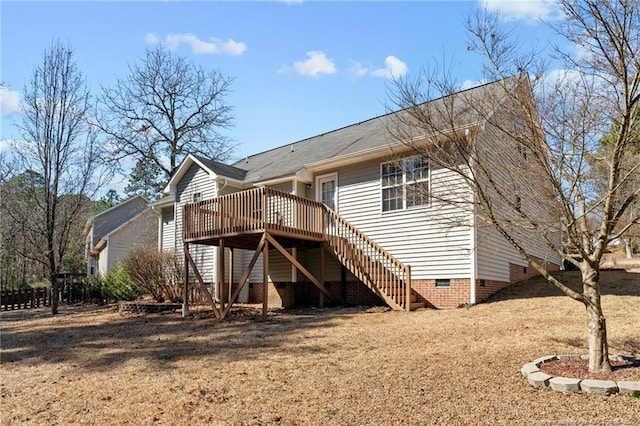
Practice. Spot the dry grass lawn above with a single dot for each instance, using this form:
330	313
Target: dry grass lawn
342	366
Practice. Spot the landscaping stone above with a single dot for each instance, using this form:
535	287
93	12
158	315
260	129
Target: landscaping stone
538	379
564	384
599	387
544	359
568	357
629	388
528	369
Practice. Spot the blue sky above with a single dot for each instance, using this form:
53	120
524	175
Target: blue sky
300	68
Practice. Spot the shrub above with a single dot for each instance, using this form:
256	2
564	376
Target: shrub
155	272
117	284
92	290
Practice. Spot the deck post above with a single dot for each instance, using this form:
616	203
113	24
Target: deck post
265	279
322	275
220	286
407	284
185	279
230	291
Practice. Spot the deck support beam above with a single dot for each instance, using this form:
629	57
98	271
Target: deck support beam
220	285
265	277
185	283
298	265
322	275
245	276
200	281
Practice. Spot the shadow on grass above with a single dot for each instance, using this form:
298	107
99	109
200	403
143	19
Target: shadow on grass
612	282
100	339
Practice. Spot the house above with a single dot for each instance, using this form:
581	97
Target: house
338	218
109	235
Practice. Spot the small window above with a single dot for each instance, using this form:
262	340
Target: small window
197	196
483	283
443	282
522	151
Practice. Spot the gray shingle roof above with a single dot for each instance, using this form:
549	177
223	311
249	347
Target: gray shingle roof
222	169
364	136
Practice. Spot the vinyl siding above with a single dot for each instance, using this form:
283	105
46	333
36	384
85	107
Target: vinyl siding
515	176
195	180
109	220
102	263
168	242
422	237
141	231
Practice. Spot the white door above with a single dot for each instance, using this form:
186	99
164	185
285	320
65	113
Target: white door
327	190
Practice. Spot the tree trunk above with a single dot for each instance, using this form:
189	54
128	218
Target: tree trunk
596	323
55	293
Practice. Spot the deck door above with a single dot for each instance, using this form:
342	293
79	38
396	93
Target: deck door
327	190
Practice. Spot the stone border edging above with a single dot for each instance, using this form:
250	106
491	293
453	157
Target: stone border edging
538	379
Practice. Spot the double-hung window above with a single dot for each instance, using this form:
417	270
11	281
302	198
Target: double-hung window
405	183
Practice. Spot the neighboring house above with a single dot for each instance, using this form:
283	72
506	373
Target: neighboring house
110	235
339	219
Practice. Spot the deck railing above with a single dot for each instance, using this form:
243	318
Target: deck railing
254	210
267	209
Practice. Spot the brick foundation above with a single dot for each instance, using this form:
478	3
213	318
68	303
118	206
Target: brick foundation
485	288
456	294
521	273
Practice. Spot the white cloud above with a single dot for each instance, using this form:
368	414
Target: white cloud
358	70
525	10
200	47
318	63
152	38
394	68
9	101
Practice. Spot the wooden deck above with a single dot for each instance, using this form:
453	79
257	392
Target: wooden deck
264	218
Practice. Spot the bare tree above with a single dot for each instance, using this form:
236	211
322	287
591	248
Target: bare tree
165	109
59	147
540	179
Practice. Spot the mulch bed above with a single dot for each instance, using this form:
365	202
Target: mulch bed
579	369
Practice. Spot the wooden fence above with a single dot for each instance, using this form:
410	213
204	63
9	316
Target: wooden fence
25	298
70	290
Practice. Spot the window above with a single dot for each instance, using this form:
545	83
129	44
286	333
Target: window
404	183
522	151
443	282
197	196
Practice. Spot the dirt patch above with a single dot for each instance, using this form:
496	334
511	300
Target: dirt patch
579	369
342	366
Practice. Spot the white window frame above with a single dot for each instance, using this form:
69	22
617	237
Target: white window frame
403	184
326	178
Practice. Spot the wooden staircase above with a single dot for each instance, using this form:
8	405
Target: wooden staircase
385	275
